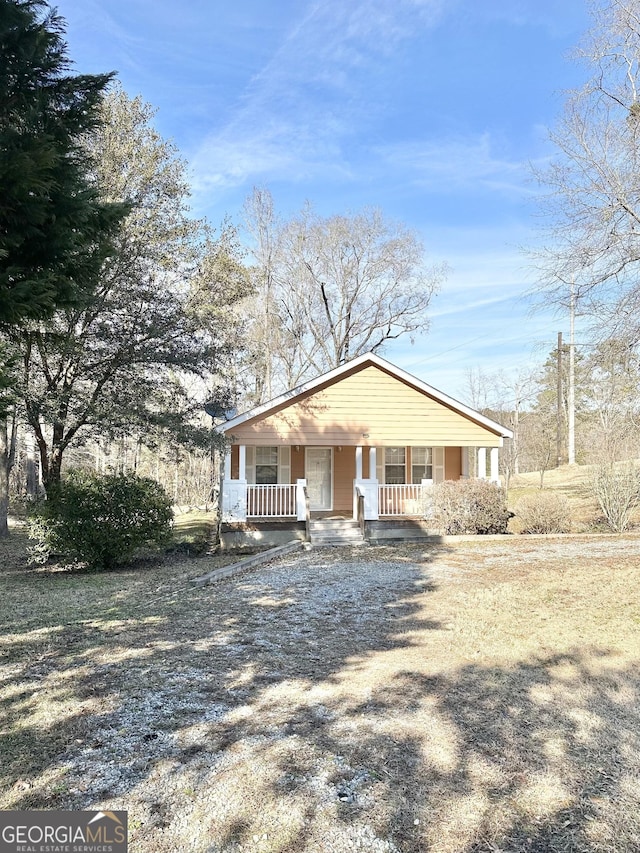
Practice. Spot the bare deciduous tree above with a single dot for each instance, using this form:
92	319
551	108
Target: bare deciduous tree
614	372
264	333
506	398
330	289
592	205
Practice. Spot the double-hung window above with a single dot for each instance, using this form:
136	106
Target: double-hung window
394	465
266	465
421	464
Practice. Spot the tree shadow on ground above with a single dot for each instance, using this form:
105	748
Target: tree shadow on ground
106	665
310	706
541	756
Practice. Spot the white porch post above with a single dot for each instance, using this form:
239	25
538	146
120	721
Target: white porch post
465	463
242	457
482	463
495	475
301	503
358	463
369	490
367	487
426	493
358	477
234	492
372	496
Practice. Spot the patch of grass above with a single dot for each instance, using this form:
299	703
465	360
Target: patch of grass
195	531
574	483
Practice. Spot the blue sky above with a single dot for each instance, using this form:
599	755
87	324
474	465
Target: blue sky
431	110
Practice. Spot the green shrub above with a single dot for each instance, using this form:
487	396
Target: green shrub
100	520
470	506
543	512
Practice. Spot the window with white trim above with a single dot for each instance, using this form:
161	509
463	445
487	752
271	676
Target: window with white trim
421	464
394	465
266	465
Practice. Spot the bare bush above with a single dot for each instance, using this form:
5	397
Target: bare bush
543	512
470	506
617	491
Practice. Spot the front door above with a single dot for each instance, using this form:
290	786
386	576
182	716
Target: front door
318	474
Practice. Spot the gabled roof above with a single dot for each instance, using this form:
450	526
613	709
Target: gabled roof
333	376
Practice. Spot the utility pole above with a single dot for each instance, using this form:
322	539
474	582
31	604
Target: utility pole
559	406
571	398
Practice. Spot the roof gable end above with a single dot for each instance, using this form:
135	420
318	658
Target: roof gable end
334	376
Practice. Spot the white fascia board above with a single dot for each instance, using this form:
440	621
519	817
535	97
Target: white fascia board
337	372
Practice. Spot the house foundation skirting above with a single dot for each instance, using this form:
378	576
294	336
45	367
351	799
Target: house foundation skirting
269	534
397	530
261	534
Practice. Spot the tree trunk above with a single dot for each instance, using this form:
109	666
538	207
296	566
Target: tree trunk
32	480
7	460
51	477
571	414
559	407
138	455
516	440
4	478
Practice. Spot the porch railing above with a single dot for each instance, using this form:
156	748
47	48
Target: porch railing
402	499
272	501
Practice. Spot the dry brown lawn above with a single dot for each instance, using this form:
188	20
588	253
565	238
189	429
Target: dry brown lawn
572	482
476	696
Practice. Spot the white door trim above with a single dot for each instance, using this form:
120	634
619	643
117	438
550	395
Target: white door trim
308	478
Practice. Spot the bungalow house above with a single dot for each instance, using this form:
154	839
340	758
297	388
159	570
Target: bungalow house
359	447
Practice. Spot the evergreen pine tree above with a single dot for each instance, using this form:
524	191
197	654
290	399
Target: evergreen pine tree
52	227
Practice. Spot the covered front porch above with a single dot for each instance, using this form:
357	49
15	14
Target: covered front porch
297	482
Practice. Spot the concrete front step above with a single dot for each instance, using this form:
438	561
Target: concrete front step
335	531
334	540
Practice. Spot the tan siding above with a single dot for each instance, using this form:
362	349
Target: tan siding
297	464
452	463
371	402
235	462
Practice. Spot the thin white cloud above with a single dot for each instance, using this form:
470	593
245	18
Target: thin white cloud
486	256
482	316
472	305
558	19
458	164
92	18
310	97
334	36
279	151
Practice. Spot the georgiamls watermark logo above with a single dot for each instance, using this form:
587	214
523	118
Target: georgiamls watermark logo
63	832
